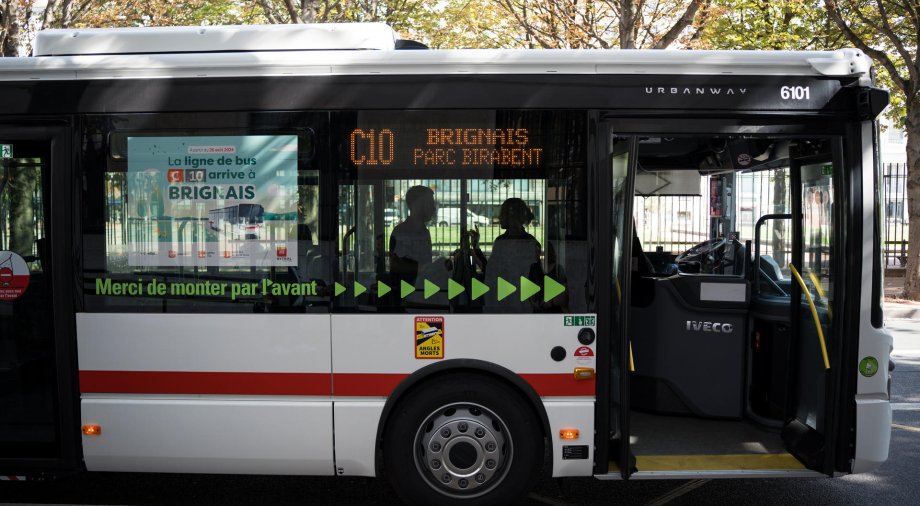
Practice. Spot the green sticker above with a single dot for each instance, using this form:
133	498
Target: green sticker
580	321
431	289
551	288
505	288
528	288
868	367
479	288
454	289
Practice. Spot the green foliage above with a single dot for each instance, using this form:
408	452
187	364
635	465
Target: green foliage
764	24
888	31
627	24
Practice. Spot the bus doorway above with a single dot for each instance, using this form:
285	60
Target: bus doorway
34	349
730	317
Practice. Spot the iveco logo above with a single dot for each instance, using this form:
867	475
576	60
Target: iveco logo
684	90
724	328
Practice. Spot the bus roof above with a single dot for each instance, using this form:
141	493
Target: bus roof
205	39
330	49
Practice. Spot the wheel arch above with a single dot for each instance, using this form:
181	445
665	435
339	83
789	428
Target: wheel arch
452	366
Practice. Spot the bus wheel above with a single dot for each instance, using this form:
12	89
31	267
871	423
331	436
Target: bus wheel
463	439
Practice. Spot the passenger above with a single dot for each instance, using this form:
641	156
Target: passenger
410	241
515	253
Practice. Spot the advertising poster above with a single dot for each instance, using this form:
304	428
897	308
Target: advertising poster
212	201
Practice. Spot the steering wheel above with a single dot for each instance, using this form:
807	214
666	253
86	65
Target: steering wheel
702	255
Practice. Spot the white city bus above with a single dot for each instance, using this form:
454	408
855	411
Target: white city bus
677	275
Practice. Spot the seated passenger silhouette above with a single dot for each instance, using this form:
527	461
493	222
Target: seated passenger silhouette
410	241
515	253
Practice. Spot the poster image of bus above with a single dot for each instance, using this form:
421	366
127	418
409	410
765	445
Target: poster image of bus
212	201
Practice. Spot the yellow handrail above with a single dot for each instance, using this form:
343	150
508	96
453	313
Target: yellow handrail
632	365
814	279
814	315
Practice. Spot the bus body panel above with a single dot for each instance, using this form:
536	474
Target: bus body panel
195	434
571	457
383	346
206	393
219	343
356	436
374	353
873	408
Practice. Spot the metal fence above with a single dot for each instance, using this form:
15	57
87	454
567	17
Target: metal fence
894	184
676	223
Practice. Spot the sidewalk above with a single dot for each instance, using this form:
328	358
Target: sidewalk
896	308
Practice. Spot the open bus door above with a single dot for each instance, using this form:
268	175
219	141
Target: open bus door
37	391
791	374
815	271
716	371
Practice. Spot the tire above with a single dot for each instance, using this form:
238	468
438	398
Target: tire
442	224
463	439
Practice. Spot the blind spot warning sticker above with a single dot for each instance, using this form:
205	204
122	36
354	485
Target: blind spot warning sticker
429	337
14	276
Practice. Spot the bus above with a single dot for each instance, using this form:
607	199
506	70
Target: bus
680	276
241	220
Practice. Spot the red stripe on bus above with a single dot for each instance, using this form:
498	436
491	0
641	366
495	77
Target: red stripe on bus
219	383
366	384
259	383
382	385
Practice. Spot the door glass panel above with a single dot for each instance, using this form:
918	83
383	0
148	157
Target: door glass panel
27	367
817	274
619	168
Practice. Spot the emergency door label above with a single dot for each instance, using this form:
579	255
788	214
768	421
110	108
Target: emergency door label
429	337
14	276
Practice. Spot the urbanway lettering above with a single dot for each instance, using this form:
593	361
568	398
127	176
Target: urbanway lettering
683	90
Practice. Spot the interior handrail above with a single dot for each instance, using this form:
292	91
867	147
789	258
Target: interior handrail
814	279
760	221
814	315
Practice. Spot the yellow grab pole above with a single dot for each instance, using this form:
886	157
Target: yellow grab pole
814	279
632	365
814	315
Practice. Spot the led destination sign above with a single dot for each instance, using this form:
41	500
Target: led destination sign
471	147
419	146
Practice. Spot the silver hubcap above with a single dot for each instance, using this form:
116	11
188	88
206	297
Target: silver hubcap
463	449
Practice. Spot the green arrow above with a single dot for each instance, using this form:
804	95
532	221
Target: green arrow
405	289
382	289
528	288
454	289
504	288
431	289
551	288
478	288
359	289
338	289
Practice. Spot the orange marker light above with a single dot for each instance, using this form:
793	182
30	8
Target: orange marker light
569	433
92	430
584	373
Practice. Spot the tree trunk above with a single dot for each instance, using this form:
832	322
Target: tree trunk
912	274
628	17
